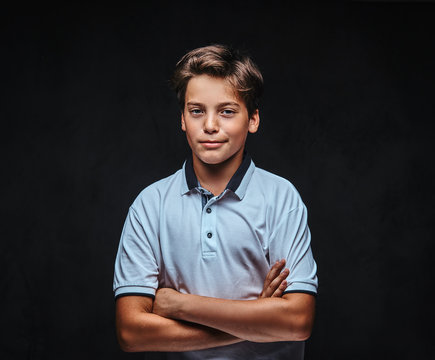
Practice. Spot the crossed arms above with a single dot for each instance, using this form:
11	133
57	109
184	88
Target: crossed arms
185	322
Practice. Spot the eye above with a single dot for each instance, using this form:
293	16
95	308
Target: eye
228	112
195	111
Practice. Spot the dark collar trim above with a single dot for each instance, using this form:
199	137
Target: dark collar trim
233	184
192	181
237	178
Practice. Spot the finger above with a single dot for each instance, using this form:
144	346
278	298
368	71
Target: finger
274	272
271	275
276	283
278	292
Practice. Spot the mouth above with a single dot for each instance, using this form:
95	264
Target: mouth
212	144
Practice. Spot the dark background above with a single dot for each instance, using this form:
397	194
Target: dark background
88	120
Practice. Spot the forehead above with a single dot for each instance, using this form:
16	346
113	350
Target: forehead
208	89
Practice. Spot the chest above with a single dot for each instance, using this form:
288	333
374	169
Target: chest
210	244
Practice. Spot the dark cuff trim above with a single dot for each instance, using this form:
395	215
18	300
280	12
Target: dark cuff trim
135	294
300	291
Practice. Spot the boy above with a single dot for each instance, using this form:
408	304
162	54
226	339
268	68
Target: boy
197	246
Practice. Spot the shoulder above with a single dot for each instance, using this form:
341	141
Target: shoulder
152	194
279	191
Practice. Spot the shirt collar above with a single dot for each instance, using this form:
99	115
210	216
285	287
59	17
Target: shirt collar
237	184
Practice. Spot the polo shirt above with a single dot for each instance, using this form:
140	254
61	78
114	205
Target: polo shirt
179	235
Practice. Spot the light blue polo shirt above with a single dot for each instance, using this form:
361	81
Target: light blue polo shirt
179	235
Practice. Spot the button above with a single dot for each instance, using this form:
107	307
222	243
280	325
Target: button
209	235
208	210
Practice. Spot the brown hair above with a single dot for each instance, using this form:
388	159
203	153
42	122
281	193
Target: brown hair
223	62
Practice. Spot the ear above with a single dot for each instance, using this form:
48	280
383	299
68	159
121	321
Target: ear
254	122
183	123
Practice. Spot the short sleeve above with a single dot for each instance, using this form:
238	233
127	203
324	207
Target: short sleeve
291	240
136	266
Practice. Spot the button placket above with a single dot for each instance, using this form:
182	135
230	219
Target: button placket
208	229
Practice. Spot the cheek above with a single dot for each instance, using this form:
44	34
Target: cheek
190	133
237	132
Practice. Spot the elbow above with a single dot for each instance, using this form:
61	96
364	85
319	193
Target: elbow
126	347
302	335
131	340
304	326
128	342
132	323
300	330
125	341
300	323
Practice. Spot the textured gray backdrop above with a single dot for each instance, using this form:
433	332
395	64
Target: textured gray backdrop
88	120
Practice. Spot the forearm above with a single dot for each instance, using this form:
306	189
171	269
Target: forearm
262	320
150	332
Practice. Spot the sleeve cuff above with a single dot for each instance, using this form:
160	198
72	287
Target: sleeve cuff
135	290
301	287
300	291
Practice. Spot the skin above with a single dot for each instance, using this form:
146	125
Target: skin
216	123
139	329
262	320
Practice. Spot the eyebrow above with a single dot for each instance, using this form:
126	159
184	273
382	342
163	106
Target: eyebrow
193	103
229	103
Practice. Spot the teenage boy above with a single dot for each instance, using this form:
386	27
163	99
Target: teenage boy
197	246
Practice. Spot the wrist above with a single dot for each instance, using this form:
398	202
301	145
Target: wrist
180	303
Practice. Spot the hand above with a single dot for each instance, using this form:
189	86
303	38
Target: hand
275	282
166	302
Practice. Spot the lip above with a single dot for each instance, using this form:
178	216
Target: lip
212	144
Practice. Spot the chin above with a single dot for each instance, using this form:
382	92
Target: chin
212	159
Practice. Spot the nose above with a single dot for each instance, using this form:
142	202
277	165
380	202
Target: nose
211	124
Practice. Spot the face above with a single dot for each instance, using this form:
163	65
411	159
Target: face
216	120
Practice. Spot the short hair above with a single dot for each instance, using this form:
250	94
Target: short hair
222	62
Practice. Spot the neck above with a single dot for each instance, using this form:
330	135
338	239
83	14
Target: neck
215	177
